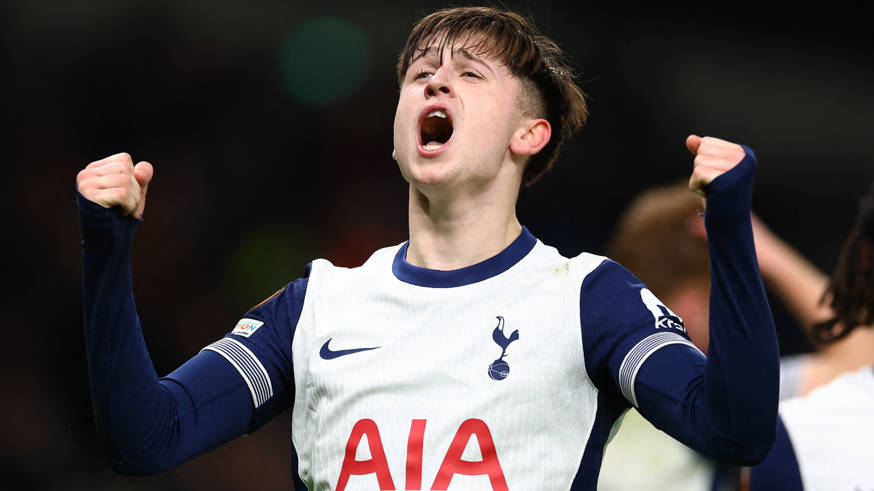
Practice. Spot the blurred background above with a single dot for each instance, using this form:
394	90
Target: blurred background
269	124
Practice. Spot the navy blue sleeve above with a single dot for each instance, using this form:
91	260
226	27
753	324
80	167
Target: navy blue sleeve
623	324
259	349
779	471
638	353
727	409
145	424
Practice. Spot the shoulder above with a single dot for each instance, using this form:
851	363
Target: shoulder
379	261
609	284
546	259
329	284
853	389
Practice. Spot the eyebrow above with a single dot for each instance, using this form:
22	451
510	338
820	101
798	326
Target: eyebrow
433	51
474	58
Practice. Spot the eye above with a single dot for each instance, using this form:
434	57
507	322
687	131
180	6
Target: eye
470	73
423	74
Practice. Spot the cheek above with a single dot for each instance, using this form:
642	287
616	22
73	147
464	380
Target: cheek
495	125
405	120
400	130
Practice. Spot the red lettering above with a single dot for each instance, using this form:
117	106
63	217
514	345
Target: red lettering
377	462
452	463
415	445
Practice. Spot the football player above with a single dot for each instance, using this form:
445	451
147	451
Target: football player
472	356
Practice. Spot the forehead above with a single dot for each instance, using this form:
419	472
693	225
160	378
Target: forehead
470	46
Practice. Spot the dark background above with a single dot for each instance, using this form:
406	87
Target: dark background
269	124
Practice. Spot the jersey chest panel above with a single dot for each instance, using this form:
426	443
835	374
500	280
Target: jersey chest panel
502	358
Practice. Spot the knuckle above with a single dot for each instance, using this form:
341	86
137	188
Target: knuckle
82	176
120	168
89	193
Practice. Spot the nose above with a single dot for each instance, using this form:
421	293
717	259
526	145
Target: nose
440	83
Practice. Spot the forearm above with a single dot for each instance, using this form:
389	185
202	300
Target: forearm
743	371
145	425
725	409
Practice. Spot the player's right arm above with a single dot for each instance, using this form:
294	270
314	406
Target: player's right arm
147	425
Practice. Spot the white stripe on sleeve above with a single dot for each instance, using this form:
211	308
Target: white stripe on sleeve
253	372
637	355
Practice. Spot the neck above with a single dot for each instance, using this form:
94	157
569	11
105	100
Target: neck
453	232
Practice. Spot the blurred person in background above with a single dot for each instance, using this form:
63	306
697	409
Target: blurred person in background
396	371
661	239
824	438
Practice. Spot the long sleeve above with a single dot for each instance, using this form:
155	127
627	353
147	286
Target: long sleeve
727	408
146	425
639	354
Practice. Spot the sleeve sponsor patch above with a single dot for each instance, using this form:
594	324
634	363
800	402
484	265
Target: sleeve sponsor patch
664	317
246	327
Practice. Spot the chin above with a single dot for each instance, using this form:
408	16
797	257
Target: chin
431	175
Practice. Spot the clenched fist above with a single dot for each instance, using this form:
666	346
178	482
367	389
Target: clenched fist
713	157
116	181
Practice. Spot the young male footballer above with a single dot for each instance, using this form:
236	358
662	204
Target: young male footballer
538	355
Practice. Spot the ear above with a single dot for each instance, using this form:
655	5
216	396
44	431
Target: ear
531	137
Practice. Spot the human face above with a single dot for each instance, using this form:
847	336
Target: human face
456	117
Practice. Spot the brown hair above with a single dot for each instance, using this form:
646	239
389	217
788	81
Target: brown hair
851	287
654	240
548	87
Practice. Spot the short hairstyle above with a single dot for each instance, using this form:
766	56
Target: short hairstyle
655	241
548	87
851	287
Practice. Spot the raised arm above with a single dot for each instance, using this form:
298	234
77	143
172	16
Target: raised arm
146	425
724	407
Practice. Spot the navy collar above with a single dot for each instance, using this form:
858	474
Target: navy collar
493	266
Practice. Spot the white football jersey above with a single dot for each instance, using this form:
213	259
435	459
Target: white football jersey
831	432
507	375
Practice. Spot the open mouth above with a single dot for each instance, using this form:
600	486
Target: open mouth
436	130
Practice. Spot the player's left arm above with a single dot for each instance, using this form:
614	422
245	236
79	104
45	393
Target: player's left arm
638	352
729	411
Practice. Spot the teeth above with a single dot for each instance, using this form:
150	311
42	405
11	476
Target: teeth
438	113
433	146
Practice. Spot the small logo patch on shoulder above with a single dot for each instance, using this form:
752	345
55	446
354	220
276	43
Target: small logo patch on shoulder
246	327
664	317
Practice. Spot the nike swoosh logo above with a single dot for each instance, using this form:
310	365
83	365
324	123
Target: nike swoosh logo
327	354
